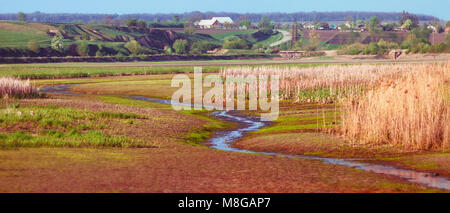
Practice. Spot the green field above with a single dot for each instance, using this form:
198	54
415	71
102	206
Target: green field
21	39
222	36
83	70
14	34
42	71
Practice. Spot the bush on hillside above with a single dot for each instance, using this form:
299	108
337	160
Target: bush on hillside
236	44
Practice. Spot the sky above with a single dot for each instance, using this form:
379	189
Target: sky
438	8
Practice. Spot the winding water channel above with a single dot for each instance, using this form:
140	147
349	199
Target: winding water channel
223	139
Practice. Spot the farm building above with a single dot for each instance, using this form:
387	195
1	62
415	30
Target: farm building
215	22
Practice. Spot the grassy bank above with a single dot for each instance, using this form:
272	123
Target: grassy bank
52	125
50	71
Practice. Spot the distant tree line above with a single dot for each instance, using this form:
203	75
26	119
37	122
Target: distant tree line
196	16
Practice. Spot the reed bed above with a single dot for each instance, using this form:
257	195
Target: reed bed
411	112
323	83
14	88
403	105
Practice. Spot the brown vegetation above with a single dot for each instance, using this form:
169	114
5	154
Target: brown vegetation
10	87
411	111
402	105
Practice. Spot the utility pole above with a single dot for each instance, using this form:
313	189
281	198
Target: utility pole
294	33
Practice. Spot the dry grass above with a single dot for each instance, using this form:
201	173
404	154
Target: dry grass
403	105
323	83
411	112
10	87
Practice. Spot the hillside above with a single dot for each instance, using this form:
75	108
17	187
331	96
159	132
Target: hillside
14	38
335	37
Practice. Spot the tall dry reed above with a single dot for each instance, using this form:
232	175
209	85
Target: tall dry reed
321	83
10	87
411	112
404	105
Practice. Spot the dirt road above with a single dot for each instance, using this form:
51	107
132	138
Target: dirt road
286	37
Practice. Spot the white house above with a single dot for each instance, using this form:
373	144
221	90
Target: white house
215	22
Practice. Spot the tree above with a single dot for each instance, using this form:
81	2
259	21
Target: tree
131	22
372	49
57	43
418	40
176	18
246	23
83	49
99	52
299	45
408	24
22	16
180	46
374	23
189	28
196	16
78	21
344	27
422	33
359	23
134	47
447	24
141	24
350	23
33	46
168	50
314	37
413	18
266	26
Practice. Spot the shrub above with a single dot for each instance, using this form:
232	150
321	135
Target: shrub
57	43
134	47
236	44
119	56
373	49
201	47
440	48
99	53
33	46
352	49
83	49
168	50
180	46
268	51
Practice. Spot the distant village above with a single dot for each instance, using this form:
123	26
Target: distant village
350	25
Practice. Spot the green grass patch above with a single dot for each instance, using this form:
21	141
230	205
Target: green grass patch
50	71
222	36
20	39
272	39
37	126
72	138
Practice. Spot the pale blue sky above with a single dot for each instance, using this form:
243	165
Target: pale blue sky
439	8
